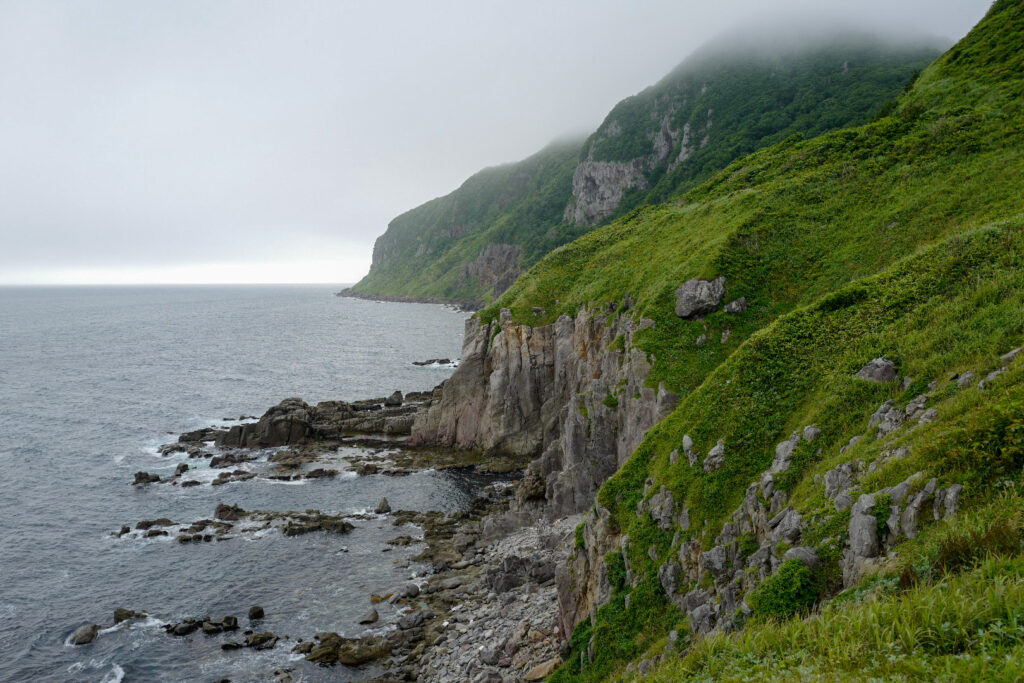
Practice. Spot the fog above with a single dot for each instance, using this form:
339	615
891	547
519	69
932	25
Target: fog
197	141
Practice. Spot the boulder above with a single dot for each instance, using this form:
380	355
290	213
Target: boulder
229	513
1011	356
256	612
122	614
736	305
696	298
181	469
411	620
394	400
143	478
543	670
879	370
804	554
261	641
370	617
716	457
383	507
965	379
83	635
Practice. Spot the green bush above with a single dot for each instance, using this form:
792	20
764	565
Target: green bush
791	590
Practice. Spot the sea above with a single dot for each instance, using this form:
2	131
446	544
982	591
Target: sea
94	379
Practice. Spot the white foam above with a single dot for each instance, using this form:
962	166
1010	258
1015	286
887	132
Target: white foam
116	675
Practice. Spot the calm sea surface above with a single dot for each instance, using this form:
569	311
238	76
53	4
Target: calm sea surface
92	380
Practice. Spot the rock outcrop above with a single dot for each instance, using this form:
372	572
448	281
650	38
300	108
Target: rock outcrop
560	393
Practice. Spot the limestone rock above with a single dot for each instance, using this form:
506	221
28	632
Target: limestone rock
696	297
879	370
736	306
716	457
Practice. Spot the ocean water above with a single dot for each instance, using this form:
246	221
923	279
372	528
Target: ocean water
92	380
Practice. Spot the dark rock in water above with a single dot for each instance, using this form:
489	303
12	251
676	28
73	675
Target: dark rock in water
304	648
261	641
879	370
156	532
210	628
393	400
370	617
190	482
181	469
142	478
147	523
286	423
184	628
200	435
124	530
433	361
383	507
305	524
320	473
84	635
229	460
230	645
122	614
229	623
411	590
229	513
256	612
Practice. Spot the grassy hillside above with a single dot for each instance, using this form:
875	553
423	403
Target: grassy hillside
902	238
439	249
742	97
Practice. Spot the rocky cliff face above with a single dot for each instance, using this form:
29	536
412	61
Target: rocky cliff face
570	394
497	267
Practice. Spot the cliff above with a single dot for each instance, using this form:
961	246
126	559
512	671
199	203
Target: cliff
719	104
804	380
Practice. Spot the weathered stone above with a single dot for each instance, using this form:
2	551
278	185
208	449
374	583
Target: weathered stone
256	612
879	370
370	617
736	305
668	575
811	432
804	554
1011	356
543	670
83	635
143	478
663	509
965	379
697	297
383	507
716	457
394	400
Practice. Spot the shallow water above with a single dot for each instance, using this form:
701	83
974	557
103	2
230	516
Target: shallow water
93	379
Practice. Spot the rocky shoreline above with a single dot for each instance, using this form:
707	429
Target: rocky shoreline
485	609
465	305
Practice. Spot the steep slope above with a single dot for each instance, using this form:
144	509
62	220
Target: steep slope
792	466
714	107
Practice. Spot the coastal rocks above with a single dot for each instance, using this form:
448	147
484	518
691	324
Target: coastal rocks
83	635
696	298
256	612
122	614
335	649
229	512
383	507
370	617
433	361
143	478
880	370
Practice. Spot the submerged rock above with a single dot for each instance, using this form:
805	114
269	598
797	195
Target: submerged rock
143	478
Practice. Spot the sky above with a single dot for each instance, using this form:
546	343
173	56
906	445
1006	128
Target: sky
210	142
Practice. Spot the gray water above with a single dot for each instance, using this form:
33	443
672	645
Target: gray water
92	380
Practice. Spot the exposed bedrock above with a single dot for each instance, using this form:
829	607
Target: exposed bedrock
571	394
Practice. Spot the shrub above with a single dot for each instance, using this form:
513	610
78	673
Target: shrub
791	590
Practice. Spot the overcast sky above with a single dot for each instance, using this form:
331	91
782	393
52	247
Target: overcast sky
249	141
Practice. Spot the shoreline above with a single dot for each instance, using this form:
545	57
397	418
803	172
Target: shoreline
487	606
464	305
